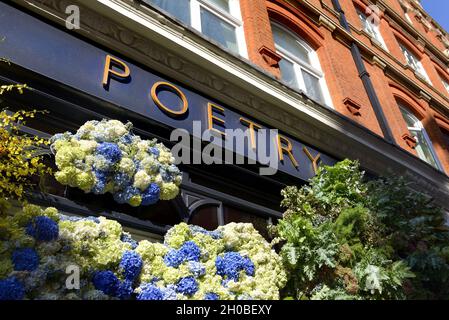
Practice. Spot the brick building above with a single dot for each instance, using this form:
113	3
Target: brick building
359	79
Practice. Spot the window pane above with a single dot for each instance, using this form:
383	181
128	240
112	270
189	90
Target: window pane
222	4
312	84
290	44
218	30
423	148
177	8
410	119
412	61
288	73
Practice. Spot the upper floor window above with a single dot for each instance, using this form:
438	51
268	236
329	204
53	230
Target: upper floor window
300	67
414	63
424	146
219	20
371	28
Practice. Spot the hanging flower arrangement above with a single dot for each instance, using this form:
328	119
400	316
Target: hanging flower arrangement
105	157
40	246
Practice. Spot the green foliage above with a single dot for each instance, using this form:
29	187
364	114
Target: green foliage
345	238
414	226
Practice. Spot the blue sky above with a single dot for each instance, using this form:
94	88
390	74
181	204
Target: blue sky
439	10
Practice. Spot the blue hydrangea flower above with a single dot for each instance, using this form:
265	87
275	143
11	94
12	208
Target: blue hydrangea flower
169	293
127	238
125	290
154	151
122	180
43	229
126	139
150	292
173	259
197	269
249	266
213	234
101	182
131	265
110	151
125	195
187	286
231	263
25	259
106	281
190	251
151	195
11	289
211	296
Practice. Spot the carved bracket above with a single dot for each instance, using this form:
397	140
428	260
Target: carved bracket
353	107
270	56
409	140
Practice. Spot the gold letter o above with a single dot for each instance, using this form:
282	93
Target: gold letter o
174	89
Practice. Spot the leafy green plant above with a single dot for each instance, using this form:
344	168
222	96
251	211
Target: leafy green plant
345	238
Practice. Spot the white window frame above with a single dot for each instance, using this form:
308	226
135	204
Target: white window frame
233	17
314	68
418	126
416	65
372	29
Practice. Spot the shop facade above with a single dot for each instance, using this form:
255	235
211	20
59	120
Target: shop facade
132	62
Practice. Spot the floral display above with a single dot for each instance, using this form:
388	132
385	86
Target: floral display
232	262
40	248
346	238
105	157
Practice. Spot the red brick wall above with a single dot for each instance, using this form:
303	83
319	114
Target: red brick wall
341	75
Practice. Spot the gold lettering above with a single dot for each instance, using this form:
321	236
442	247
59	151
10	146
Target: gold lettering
211	118
252	130
314	160
108	71
288	149
174	89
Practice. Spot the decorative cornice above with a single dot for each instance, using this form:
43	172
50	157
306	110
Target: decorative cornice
327	23
378	62
425	96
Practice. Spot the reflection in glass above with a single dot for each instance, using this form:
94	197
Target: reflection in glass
219	30
177	8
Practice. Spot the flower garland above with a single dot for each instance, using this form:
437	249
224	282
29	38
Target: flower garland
105	157
39	245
